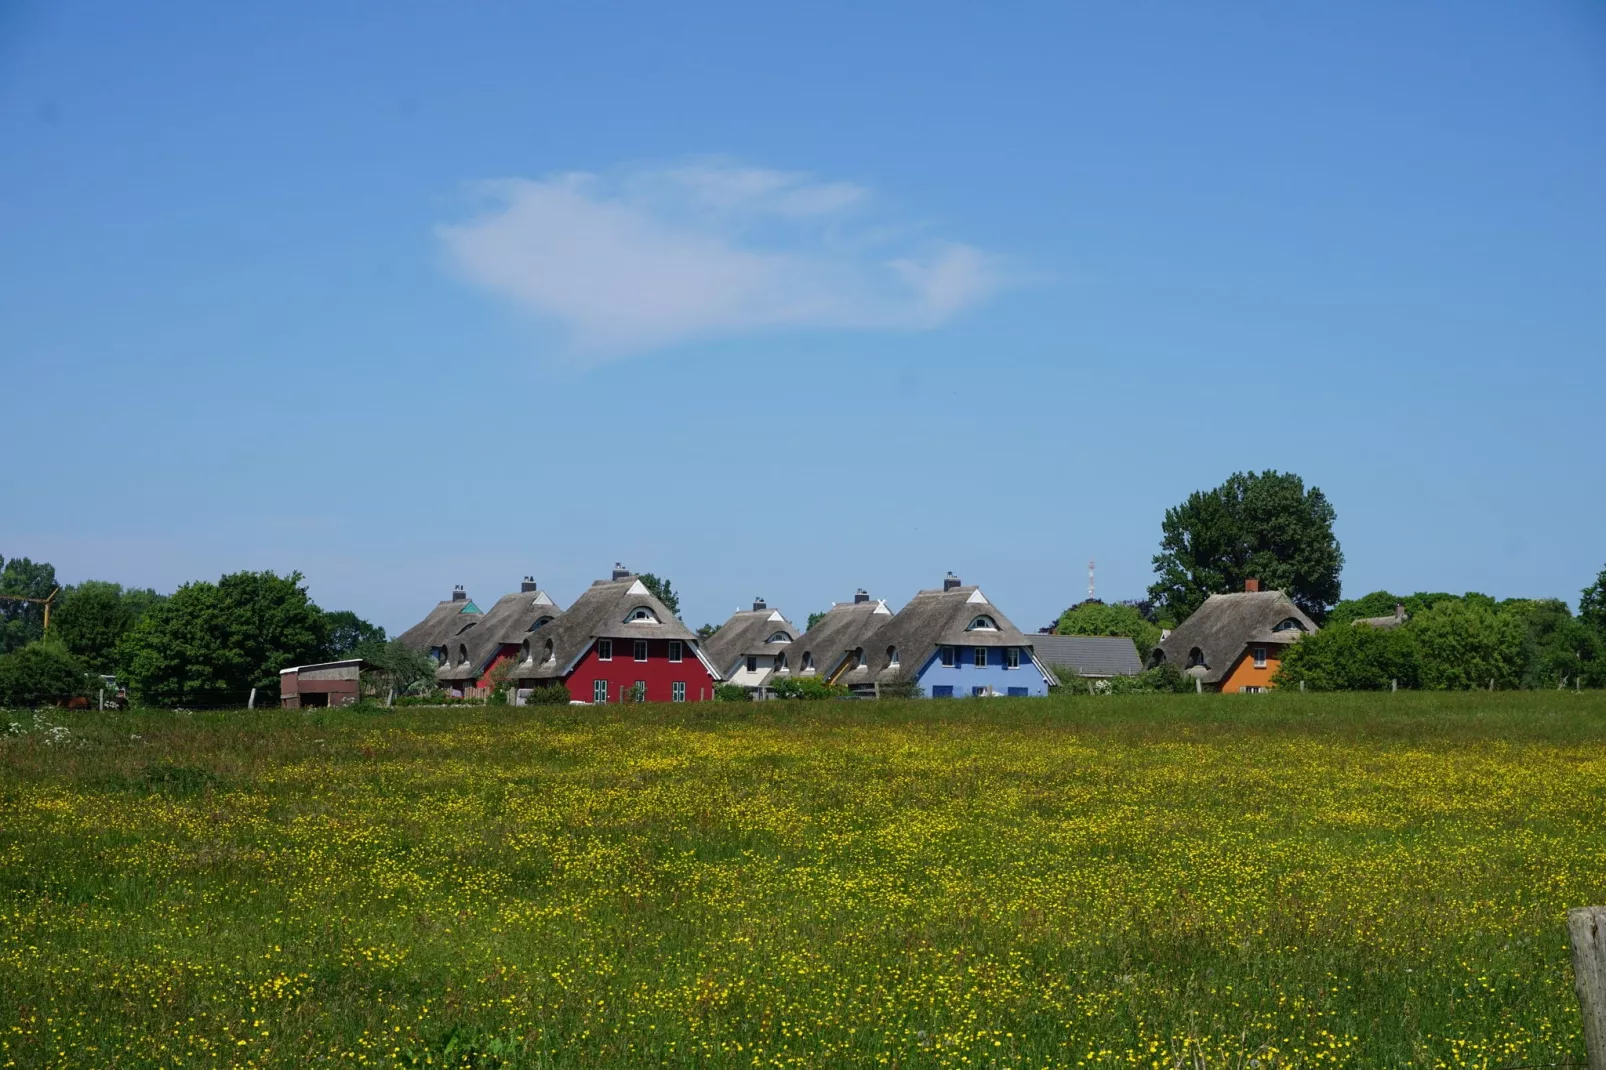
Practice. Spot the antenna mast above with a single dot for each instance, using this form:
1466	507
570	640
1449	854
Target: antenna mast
1090	581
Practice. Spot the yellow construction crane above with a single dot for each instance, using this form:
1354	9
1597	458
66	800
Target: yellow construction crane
45	601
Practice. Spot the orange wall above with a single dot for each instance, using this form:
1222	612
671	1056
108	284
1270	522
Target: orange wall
1244	674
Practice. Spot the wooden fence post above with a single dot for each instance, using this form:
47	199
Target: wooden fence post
1302	685
251	703
1198	686
1394	685
1587	928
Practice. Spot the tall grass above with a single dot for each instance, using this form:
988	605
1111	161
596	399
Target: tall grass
1201	881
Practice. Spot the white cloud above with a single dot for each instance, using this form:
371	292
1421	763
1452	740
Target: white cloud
667	255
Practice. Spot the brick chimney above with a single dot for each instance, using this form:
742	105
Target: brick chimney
528	586
861	595
758	604
458	594
1251	585
620	572
950	581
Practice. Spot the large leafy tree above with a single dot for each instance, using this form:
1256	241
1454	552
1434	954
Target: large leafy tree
92	617
352	637
1465	644
210	644
662	590
1350	657
23	622
1096	618
1267	526
1592	604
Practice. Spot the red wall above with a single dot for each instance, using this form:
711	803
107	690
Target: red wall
658	672
507	650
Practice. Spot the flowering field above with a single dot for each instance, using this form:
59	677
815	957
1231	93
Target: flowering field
1166	881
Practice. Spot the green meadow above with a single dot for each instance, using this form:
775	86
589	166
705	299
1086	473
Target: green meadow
1158	881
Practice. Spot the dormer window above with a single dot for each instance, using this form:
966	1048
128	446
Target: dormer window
538	625
808	661
462	654
858	658
892	657
983	624
549	654
1195	658
1289	624
642	615
779	637
780	662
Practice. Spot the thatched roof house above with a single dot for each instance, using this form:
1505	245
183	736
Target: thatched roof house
822	649
752	646
448	620
1235	641
501	632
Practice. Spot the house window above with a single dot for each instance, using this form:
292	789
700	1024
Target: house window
1195	657
1017	692
675	650
808	661
892	657
752	663
440	654
981	657
942	691
538	624
677	691
1252	690
948	658
1289	624
1260	657
978	692
1012	658
548	650
638	692
779	637
604	649
642	613
641	650
983	624
599	691
780	662
462	654
858	658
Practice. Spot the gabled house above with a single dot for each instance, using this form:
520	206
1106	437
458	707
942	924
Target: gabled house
617	640
1235	642
946	642
1388	623
502	633
442	630
822	650
753	647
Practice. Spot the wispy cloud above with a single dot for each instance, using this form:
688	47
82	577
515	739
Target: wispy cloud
638	261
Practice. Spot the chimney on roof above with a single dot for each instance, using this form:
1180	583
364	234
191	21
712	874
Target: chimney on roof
528	586
458	594
620	572
861	595
758	604
1399	611
1251	585
950	581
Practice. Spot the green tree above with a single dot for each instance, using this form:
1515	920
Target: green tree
352	637
23	622
42	672
807	687
1096	618
1592	605
814	618
210	644
92	618
1465	644
1265	526
662	590
1351	657
707	630
408	671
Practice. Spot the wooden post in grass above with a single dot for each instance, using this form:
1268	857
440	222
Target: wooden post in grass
251	703
1587	928
1198	686
1394	685
1302	685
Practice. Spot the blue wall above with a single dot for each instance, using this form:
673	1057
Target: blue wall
965	674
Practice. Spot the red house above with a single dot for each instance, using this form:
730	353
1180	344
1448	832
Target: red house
618	642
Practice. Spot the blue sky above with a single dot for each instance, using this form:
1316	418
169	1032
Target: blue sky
786	304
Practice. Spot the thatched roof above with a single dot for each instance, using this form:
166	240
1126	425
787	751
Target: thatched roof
447	621
603	612
932	619
844	627
1221	628
1089	655
749	632
513	618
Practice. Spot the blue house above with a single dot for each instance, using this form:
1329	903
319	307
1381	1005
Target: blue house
949	643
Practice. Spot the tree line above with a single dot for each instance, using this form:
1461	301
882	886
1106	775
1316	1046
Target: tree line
205	644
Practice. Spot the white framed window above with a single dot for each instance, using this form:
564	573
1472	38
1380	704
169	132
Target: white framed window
604	649
638	691
892	657
981	657
549	654
752	663
641	650
948	656
462	655
677	691
780	662
599	692
858	658
1260	657
779	637
643	613
1012	658
983	624
1252	690
808	661
676	651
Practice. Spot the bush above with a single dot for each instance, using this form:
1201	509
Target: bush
732	693
547	695
808	688
1351	657
40	673
901	689
1466	644
1162	679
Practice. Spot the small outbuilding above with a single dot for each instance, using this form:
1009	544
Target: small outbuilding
1092	657
328	683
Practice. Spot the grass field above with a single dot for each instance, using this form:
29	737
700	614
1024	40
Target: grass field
1176	881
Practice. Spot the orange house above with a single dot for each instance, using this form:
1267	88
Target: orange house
1235	642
